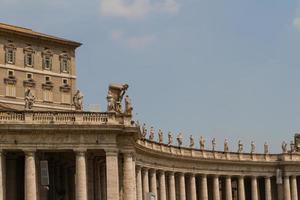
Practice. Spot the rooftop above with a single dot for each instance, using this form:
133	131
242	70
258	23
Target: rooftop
32	34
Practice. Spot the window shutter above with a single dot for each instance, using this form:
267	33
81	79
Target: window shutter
25	59
61	65
6	56
32	59
44	173
50	60
14	57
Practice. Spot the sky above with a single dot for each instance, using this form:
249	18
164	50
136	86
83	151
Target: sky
212	68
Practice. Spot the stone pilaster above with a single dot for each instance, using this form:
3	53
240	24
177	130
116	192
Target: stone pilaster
294	188
2	176
145	182
286	188
112	175
181	186
193	193
153	184
139	189
204	192
162	186
128	179
241	188
268	191
81	175
228	188
254	192
172	193
30	176
216	188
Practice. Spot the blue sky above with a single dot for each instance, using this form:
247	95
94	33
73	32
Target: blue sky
224	69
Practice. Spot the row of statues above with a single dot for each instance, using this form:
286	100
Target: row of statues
29	99
179	138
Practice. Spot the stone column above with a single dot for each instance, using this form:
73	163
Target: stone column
172	193
181	186
268	191
294	188
139	189
216	188
128	179
193	193
112	175
254	192
228	188
162	186
30	176
81	176
286	188
2	176
145	182
153	186
204	192
241	188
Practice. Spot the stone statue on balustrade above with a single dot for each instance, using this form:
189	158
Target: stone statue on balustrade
144	131
240	147
179	139
29	99
170	138
284	147
115	96
160	136
192	142
78	100
214	144
292	146
226	146
151	134
252	147
128	106
202	143
266	148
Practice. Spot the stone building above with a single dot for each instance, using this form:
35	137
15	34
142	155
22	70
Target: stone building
66	155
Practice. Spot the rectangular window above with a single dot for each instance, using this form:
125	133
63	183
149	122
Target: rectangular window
48	95
10	56
29	59
65	97
47	79
65	81
64	65
29	76
10	73
10	90
47	62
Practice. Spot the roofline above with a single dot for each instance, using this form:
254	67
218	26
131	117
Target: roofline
7	28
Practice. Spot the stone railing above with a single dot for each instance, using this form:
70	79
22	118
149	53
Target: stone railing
193	153
56	117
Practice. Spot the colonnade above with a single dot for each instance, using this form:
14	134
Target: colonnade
170	185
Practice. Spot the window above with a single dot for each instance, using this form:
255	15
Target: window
10	56
65	98
64	62
29	76
10	90
29	59
47	79
47	63
10	74
65	81
48	95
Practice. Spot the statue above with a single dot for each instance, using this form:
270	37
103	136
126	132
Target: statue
78	100
240	147
29	99
292	145
144	131
115	96
192	142
179	139
160	136
128	106
266	148
226	147
252	147
170	138
202	143
284	147
214	144
152	133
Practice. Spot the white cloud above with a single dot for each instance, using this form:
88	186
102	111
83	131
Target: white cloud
136	9
296	23
134	42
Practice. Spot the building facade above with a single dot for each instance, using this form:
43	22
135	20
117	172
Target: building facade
51	152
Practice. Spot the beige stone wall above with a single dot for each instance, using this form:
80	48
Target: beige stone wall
38	73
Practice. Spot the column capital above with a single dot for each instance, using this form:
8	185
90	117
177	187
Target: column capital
170	173
29	152
80	152
111	152
152	170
